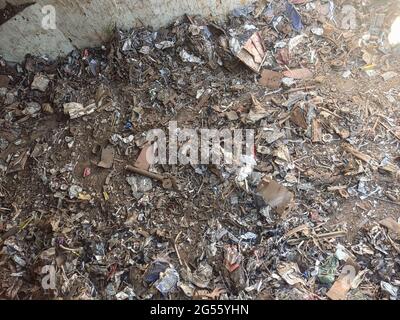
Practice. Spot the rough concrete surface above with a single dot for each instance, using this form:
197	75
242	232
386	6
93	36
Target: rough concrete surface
88	23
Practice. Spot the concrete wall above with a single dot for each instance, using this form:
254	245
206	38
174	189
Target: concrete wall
85	23
14	2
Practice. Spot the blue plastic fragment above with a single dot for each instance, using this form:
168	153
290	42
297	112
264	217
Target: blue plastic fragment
153	273
294	17
128	126
242	11
269	11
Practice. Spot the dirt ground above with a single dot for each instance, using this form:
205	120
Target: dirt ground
213	236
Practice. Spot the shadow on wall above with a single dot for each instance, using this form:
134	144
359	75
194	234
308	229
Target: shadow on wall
7	10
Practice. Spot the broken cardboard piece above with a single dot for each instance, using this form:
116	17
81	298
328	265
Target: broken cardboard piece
350	277
4	81
283	56
231	115
275	195
107	158
77	110
253	52
391	225
146	157
316	131
339	289
270	79
302	73
298	117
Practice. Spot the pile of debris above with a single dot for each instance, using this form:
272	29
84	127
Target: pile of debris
312	214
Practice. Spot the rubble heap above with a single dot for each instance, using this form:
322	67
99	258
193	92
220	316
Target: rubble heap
316	216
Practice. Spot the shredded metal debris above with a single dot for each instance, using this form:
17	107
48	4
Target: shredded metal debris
313	213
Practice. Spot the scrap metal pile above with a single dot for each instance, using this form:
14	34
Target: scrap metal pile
314	214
